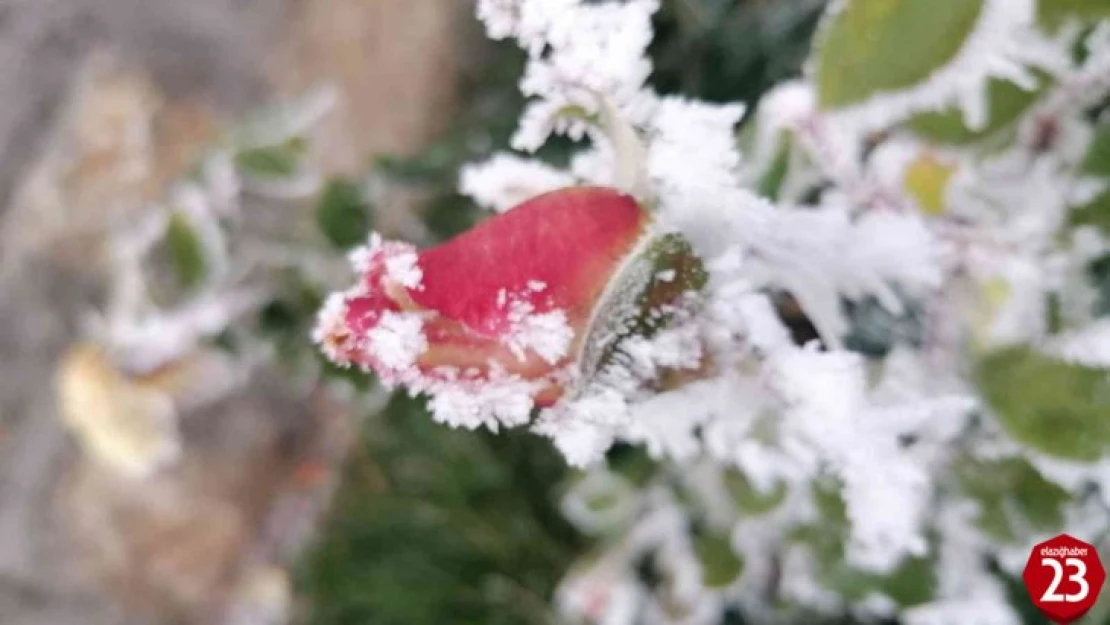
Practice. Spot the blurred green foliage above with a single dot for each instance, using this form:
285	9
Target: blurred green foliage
730	50
1007	102
874	46
186	252
911	583
1054	406
343	214
434	525
274	161
1012	496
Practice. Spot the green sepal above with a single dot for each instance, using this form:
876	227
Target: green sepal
660	275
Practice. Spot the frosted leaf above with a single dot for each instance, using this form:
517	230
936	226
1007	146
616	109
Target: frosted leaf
1002	44
606	593
1019	316
578	53
191	201
299	185
1088	346
222	184
693	164
289	119
800	582
583	444
901	249
595	165
828	408
583	429
145	343
620	497
667	423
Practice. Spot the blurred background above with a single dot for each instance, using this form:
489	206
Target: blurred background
286	503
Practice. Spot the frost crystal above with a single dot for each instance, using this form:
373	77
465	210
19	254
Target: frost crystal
503	402
398	340
547	334
402	269
506	180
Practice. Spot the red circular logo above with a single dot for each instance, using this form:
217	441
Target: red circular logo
1063	577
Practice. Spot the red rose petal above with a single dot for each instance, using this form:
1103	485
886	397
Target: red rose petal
570	241
557	251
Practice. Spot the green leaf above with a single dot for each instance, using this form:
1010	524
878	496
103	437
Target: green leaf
927	179
1053	313
632	462
278	161
1009	487
1098	273
343	214
187	257
428	518
1006	104
1095	213
288	318
1051	14
1059	408
770	183
720	566
911	583
874	46
748	499
1097	160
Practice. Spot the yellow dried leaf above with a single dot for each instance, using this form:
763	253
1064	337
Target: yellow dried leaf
993	294
126	425
926	179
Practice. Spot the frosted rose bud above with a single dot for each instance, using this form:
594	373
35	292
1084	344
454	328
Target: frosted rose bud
495	321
